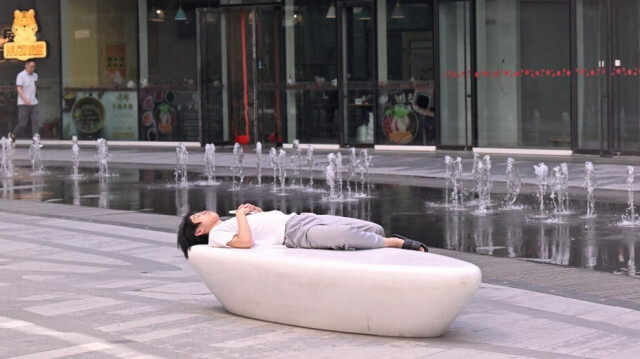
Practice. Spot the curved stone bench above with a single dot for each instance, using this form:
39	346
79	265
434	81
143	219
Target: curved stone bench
386	291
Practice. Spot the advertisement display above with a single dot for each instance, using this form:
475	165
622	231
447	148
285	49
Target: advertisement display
112	115
407	115
168	115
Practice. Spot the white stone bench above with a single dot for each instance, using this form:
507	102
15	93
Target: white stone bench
387	291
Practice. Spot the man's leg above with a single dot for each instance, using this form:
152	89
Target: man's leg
358	224
343	237
308	230
34	115
23	117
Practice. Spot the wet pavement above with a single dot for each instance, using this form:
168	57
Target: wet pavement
94	282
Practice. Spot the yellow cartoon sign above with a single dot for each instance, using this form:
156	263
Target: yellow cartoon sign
25	45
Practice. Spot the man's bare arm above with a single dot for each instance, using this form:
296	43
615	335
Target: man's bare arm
24	98
243	239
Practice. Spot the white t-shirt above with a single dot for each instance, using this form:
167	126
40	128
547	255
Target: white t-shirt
28	84
266	228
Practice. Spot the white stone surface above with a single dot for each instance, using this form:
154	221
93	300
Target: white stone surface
386	291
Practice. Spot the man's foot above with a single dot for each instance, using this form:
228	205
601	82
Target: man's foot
12	137
411	244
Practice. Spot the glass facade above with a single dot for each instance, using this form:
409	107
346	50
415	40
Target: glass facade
444	73
406	73
99	69
523	74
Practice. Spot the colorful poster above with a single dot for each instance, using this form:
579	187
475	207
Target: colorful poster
115	60
90	115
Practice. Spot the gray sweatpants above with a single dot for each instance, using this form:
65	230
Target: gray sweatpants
26	114
309	230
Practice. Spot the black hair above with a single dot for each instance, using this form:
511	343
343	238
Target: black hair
187	235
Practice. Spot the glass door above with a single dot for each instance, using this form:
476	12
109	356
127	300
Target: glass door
356	73
607	76
591	76
239	74
212	76
625	78
454	49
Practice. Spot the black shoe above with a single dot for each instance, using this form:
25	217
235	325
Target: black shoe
411	244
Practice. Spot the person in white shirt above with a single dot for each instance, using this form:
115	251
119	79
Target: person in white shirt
253	227
26	82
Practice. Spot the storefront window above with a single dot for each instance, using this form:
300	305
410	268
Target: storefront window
46	20
590	51
406	73
168	97
99	69
523	73
311	71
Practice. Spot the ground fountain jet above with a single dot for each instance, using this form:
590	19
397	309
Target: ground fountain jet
476	174
338	172
630	218
310	165
448	176
457	199
542	172
259	161
296	160
590	184
36	156
564	185
6	163
351	172
282	156
364	164
514	183
273	156
103	157
484	183
210	163
75	157
330	176
236	168
182	159
556	190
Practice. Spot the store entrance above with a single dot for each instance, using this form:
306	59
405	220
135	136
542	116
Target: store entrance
455	101
356	71
239	75
607	76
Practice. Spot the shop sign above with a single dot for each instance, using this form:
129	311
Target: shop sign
24	44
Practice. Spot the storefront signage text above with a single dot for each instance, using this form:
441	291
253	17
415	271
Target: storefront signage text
25	45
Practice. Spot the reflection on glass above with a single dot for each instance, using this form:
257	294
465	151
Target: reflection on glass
455	90
590	28
311	71
523	73
357	75
625	85
406	71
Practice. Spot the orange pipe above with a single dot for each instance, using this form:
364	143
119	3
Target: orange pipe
277	79
244	75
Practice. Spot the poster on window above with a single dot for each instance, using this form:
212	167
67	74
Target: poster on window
115	61
112	115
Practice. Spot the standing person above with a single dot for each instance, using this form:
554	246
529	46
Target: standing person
305	230
26	82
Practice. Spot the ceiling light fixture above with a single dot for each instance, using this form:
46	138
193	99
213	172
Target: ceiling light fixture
180	14
398	12
331	13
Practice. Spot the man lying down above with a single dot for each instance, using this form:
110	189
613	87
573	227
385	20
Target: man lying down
251	226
